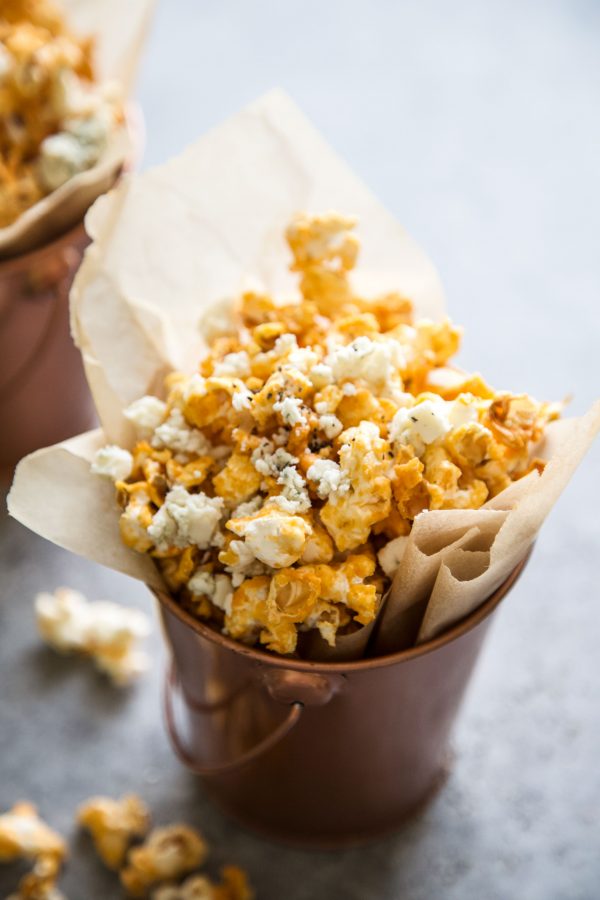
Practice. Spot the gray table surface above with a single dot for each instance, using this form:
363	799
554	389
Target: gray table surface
478	125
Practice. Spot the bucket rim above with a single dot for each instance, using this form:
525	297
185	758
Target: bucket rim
263	657
10	265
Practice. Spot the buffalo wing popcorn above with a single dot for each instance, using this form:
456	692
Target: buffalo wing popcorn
23	835
56	118
277	485
167	854
113	824
234	886
107	632
168	247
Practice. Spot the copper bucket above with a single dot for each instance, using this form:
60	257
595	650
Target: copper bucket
44	396
317	753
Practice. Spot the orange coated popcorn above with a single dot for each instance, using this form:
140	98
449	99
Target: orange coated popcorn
23	835
167	854
113	825
267	484
55	120
234	886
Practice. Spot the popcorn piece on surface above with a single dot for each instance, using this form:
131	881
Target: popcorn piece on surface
24	834
113	825
167	854
276	487
105	631
234	886
39	884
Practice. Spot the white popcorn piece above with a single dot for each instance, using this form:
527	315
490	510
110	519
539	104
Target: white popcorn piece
186	519
112	462
105	631
177	435
376	362
294	497
290	409
274	537
321	375
241	399
270	461
463	411
233	365
146	414
218	588
328	477
391	555
420	425
330	425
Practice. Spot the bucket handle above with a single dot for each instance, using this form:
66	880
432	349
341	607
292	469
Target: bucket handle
171	683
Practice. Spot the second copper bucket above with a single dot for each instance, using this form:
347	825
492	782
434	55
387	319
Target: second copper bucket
44	396
317	753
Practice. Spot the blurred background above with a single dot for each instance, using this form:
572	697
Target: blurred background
477	125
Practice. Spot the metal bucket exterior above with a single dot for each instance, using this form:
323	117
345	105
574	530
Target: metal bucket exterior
369	745
44	396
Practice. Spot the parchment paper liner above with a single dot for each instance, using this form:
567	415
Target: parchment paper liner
120	29
174	242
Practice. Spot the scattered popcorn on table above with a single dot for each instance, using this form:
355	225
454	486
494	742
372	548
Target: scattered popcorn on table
275	487
105	631
167	854
113	825
39	884
23	835
234	886
55	119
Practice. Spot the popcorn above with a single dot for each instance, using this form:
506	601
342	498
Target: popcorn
276	487
113	462
146	414
390	556
234	886
233	365
273	537
364	463
290	410
23	835
39	884
328	476
105	631
185	519
113	825
420	425
176	434
55	119
167	854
